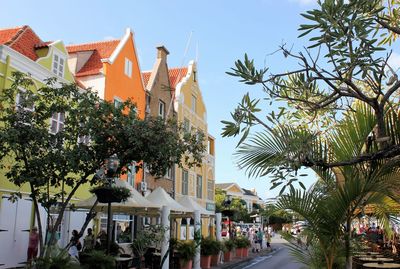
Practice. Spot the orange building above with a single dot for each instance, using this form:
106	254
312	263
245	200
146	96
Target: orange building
111	68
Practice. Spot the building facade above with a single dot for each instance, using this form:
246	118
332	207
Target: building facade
159	97
195	182
22	50
253	201
111	68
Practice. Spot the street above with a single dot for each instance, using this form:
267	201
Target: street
280	258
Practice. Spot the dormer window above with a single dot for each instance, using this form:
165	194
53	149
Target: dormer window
58	65
128	67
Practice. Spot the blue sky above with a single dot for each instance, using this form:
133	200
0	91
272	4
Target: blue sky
222	30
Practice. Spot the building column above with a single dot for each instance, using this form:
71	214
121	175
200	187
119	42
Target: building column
165	213
197	229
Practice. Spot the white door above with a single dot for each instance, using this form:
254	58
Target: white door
14	236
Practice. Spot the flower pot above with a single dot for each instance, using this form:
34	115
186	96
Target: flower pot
239	252
227	256
245	252
205	262
186	264
106	195
215	259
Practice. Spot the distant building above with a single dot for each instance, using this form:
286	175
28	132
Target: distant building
253	201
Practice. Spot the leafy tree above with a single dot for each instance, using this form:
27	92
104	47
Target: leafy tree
343	63
56	163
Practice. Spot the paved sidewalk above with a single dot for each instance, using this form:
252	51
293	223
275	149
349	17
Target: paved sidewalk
241	262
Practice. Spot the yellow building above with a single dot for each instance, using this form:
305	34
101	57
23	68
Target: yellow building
196	182
253	201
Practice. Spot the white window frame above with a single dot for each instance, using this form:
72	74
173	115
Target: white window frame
59	119
185	182
57	63
19	104
161	109
128	67
117	102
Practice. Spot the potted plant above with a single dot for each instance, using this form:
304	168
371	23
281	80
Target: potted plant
186	251
98	259
206	246
111	194
229	246
151	236
242	245
216	249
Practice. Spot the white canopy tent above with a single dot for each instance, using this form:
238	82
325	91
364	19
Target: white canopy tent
193	205
136	203
160	197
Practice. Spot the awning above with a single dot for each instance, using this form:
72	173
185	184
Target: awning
136	203
160	197
193	205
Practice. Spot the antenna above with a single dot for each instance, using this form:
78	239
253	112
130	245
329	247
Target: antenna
179	73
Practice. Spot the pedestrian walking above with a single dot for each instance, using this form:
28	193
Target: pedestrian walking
260	236
268	240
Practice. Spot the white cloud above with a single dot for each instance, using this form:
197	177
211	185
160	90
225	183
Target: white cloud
394	61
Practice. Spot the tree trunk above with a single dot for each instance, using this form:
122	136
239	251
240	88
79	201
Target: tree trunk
39	221
90	215
63	207
349	261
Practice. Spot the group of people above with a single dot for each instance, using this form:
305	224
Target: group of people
257	238
90	242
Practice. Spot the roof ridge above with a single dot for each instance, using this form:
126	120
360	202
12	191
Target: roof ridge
17	35
93	42
13	28
170	68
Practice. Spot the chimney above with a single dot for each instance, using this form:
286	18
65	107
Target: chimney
162	52
253	190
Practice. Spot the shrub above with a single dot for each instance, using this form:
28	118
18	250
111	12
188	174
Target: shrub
186	250
97	259
206	246
229	244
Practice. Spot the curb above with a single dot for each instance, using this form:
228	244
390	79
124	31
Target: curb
243	262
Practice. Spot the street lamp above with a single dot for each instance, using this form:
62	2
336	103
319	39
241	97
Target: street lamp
112	167
228	213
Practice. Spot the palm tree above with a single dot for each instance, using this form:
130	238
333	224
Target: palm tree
342	190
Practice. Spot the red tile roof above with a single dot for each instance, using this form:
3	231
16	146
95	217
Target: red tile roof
22	39
101	50
176	75
146	77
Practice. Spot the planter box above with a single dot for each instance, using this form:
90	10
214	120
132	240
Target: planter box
227	256
205	262
245	252
186	264
239	252
215	259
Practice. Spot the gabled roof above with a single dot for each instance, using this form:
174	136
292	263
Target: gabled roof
22	39
223	185
100	50
146	77
248	192
176	75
